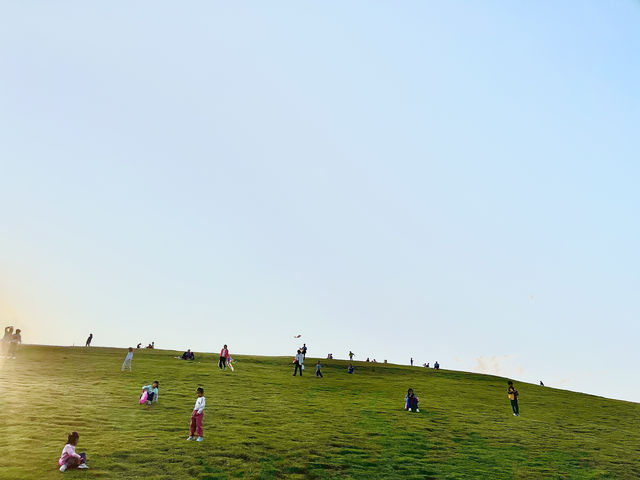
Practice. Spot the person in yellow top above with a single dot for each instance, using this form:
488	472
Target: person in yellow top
513	397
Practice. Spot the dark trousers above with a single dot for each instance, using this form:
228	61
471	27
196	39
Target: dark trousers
297	367
514	406
150	396
222	363
318	373
413	403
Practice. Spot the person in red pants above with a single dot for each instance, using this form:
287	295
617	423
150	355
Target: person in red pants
197	416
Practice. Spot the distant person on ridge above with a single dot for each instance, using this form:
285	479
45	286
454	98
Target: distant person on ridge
188	355
16	339
88	342
127	360
139	345
436	365
411	401
412	361
513	398
350	356
298	363
541	384
6	340
318	367
224	354
304	350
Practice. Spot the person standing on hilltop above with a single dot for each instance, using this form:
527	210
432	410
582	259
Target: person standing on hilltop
6	340
88	342
224	354
304	350
412	361
16	338
298	363
350	356
513	398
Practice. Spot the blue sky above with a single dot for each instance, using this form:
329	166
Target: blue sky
452	181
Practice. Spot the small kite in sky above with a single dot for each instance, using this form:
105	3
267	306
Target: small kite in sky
297	336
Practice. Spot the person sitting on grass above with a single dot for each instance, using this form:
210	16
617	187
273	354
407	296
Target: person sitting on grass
188	355
152	392
436	365
69	458
411	401
350	369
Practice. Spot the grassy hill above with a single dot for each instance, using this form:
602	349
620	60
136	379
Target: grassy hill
260	422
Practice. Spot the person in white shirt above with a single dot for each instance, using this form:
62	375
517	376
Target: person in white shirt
127	360
197	416
298	363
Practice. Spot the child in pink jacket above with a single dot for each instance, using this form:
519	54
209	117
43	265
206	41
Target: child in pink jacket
69	458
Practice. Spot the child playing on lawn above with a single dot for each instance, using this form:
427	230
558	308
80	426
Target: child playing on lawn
197	416
152	392
411	401
127	360
69	458
318	367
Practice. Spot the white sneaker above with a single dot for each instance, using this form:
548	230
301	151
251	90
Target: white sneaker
63	468
190	437
417	410
200	439
83	465
514	415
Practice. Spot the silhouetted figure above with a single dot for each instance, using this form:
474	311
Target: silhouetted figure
139	345
412	361
88	342
436	365
350	355
541	384
513	397
303	350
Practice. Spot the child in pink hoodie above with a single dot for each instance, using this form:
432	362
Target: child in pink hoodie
69	458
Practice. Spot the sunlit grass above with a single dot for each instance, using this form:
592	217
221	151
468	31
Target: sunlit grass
261	422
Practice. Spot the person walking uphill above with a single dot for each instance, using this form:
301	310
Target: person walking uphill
513	397
298	363
197	416
224	354
318	367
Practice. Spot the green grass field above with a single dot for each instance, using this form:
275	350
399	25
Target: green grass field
260	422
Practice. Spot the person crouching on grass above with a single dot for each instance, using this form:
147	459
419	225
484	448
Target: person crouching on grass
411	401
69	458
197	416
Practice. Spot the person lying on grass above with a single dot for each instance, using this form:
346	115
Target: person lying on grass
152	392
411	401
69	458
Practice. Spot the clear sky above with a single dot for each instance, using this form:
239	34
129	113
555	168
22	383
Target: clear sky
452	181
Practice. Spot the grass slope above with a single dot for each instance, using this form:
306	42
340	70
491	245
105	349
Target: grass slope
260	422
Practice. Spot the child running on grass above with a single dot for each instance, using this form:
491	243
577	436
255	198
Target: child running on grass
69	458
127	360
196	417
411	401
152	392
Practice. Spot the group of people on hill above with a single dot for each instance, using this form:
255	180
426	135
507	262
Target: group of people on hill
10	341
